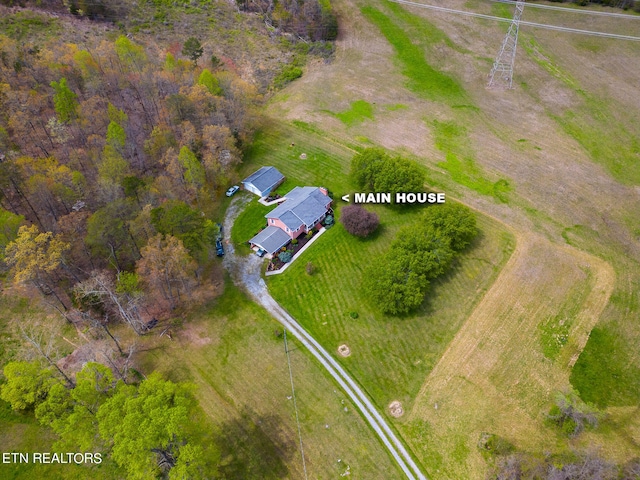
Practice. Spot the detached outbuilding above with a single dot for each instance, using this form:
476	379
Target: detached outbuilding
263	182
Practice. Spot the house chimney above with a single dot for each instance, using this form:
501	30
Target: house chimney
324	191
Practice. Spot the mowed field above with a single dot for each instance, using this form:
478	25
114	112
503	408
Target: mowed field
556	160
510	357
230	350
390	355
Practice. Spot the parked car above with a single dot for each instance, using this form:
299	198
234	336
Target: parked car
232	190
260	252
219	248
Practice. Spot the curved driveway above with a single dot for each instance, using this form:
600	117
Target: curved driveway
246	271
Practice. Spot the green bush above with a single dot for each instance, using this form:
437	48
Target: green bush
572	415
398	280
494	444
285	257
395	284
354	315
288	74
374	170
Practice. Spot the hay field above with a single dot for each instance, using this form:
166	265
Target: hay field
494	376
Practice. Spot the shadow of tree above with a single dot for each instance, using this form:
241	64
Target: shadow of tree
254	447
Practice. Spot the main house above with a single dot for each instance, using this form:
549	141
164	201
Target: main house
302	210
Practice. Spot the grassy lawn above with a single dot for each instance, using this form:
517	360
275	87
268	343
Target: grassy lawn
248	224
576	116
422	78
391	356
326	162
503	368
230	350
358	112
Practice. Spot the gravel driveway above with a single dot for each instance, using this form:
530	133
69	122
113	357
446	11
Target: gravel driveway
245	272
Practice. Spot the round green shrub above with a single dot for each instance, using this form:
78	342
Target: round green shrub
285	257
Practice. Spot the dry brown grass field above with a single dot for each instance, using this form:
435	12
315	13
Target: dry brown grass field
494	377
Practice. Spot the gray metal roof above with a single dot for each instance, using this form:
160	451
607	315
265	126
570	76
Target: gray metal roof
271	239
265	178
303	205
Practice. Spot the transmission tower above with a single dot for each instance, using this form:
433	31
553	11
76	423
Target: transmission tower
501	75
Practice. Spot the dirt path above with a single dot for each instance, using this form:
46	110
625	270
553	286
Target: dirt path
245	272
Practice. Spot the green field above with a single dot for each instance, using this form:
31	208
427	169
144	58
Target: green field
248	224
326	162
422	78
358	112
602	128
234	352
391	356
452	139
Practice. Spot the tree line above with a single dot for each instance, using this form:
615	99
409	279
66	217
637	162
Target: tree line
570	466
114	153
113	160
397	281
623	4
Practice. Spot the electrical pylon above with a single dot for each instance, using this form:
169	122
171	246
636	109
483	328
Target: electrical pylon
501	75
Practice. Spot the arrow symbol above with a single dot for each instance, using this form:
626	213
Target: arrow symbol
346	198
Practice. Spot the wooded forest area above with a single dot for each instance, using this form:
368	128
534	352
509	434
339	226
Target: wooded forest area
115	151
104	150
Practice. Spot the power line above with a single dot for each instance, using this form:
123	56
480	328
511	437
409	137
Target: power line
508	20
502	72
295	406
571	10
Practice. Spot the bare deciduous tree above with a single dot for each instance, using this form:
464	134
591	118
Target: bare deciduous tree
100	287
42	338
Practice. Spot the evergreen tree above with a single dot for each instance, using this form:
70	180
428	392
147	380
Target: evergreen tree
193	50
